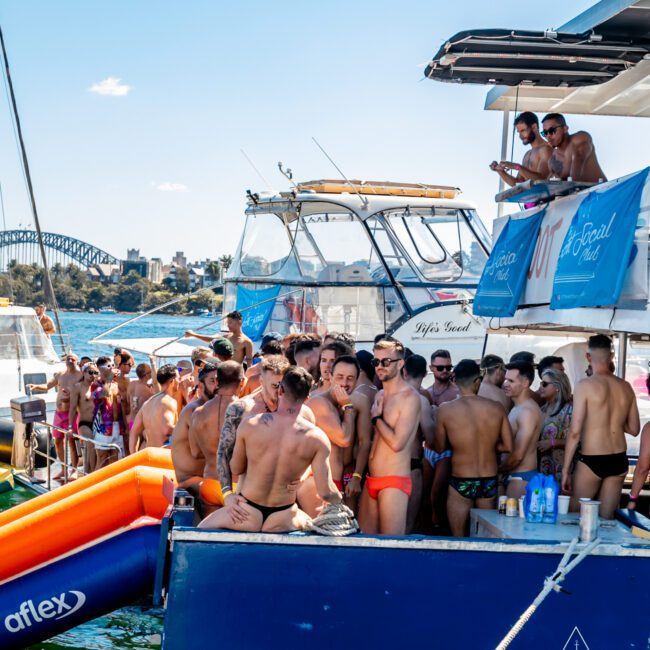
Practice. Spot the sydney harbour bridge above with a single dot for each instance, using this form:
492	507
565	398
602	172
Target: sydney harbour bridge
22	246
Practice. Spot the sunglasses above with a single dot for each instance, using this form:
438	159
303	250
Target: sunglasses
442	368
551	131
92	373
384	363
108	366
544	384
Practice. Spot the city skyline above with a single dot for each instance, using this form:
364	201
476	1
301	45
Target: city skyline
135	114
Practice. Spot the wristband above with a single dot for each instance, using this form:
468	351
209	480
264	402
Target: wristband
226	492
377	417
357	475
345	407
632	498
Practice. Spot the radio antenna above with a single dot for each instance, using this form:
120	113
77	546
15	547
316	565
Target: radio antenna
258	172
363	199
287	173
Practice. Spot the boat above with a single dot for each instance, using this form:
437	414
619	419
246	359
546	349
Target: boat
510	584
107	310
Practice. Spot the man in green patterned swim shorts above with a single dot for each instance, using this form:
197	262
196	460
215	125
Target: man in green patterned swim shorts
476	429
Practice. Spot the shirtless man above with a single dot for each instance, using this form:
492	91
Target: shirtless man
189	468
526	420
205	429
83	407
328	355
108	425
270	346
139	391
573	154
242	345
274	450
157	418
46	322
395	415
477	429
535	163
63	382
443	389
604	410
337	413
307	355
494	374
263	401
414	372
124	362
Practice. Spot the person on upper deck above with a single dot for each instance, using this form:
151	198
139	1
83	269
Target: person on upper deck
574	155
535	163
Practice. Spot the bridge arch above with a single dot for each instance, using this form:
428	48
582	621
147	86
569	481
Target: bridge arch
24	245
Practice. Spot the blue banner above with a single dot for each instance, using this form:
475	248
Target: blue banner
597	249
256	316
504	275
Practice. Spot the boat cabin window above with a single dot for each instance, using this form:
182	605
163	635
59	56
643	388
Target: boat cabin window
439	242
23	336
334	247
266	244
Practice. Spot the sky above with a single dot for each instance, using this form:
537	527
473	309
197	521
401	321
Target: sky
135	112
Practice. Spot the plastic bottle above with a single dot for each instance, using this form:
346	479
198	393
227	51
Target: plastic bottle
551	492
534	501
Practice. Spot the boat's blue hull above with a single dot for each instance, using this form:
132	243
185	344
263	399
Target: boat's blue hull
258	593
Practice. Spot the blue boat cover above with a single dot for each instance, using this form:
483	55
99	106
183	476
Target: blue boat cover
504	275
598	247
256	316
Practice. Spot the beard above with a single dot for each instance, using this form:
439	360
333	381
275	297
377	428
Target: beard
207	392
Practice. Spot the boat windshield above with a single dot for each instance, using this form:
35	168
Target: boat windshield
324	246
441	245
23	337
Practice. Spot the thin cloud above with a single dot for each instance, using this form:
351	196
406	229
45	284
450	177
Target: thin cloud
172	187
110	86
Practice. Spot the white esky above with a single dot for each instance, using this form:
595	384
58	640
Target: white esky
134	113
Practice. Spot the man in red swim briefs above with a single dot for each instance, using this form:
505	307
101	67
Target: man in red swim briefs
395	416
63	382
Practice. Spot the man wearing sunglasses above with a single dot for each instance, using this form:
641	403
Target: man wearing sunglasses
573	154
395	416
535	163
443	388
63	382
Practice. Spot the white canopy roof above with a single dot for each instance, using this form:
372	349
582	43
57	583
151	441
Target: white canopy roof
628	94
161	347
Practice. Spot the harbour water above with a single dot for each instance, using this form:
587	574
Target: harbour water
138	627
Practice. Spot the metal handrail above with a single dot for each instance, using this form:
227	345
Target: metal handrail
68	433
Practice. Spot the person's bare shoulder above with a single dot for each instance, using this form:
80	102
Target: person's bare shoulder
490	405
581	137
315	434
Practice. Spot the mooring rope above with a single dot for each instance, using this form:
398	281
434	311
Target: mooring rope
335	520
551	583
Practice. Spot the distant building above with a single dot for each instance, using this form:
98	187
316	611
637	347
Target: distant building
179	259
104	273
155	270
197	278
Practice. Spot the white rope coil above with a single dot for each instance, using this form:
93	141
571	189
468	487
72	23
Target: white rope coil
335	520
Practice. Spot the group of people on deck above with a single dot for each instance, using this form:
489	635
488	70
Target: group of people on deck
265	442
554	153
317	422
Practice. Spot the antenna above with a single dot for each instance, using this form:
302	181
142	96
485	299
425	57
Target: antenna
364	200
258	172
287	173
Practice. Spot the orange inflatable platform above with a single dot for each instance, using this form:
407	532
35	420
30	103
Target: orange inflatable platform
151	457
84	511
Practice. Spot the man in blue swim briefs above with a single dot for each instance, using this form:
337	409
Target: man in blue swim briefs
526	420
476	428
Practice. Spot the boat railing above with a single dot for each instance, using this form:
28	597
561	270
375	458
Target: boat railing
66	466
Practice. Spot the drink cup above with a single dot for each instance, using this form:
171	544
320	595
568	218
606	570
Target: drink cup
522	514
563	504
589	519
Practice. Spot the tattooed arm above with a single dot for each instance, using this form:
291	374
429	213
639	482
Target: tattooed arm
233	417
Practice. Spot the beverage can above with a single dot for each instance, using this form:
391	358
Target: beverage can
502	504
589	519
512	507
522	514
